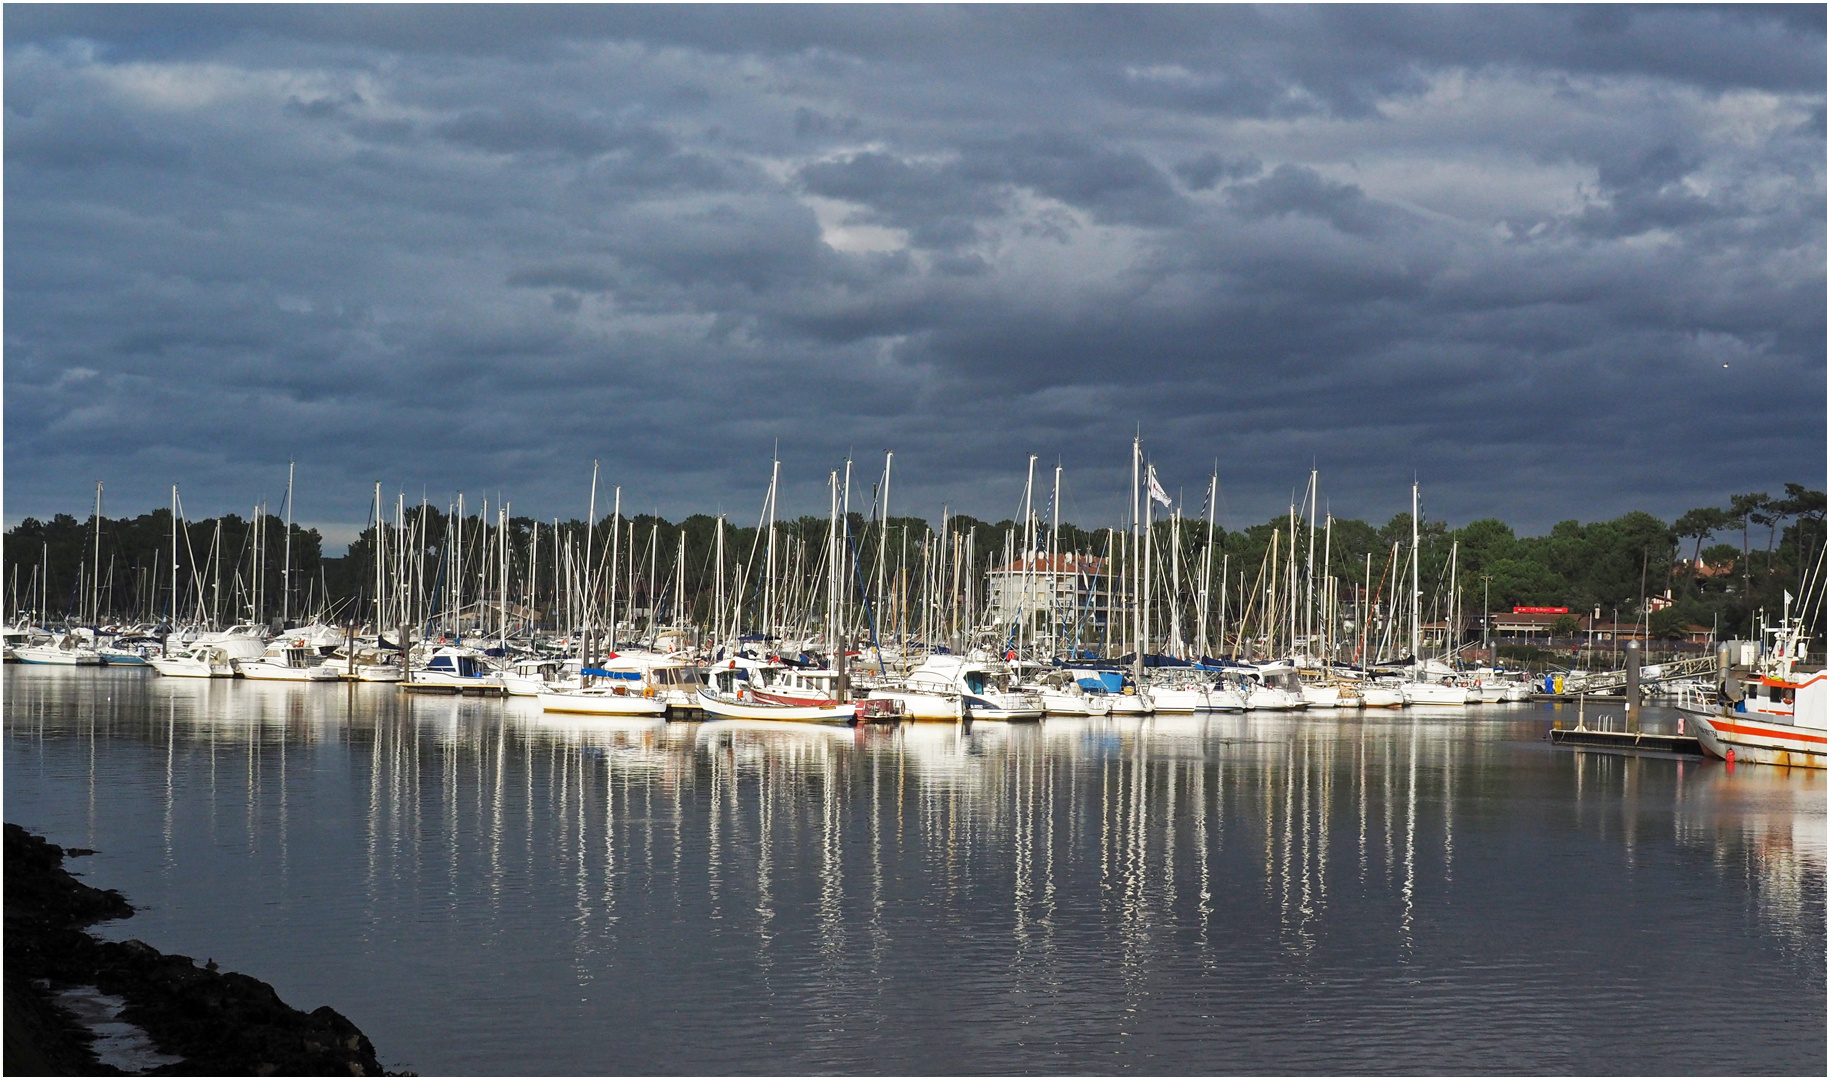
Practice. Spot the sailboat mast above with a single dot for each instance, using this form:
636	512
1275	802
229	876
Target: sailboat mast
95	576
1416	591
1137	607
1309	582
286	579
1175	581
883	530
1054	563
616	540
1029	556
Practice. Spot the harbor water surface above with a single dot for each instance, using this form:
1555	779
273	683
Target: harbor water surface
486	889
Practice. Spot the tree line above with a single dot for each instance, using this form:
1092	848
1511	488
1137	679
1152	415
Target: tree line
1719	566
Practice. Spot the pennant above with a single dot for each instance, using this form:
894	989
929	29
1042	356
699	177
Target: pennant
1156	489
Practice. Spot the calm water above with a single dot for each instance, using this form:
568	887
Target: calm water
484	889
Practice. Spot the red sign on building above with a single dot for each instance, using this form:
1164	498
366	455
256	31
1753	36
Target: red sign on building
1540	611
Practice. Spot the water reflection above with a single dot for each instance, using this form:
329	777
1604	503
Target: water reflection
1398	891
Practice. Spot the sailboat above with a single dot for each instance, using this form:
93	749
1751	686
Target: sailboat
1418	690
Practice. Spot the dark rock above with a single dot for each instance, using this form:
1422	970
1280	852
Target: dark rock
219	1022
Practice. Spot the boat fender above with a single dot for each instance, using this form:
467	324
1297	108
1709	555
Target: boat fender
1730	758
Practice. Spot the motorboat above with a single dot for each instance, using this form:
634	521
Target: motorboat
984	687
1063	695
195	662
66	650
541	675
285	662
456	668
1123	697
243	641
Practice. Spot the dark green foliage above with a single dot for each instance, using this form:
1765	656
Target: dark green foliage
1612	565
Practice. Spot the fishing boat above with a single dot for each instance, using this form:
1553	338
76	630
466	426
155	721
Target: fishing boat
1770	711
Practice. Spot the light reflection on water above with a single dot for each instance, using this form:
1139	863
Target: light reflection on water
483	888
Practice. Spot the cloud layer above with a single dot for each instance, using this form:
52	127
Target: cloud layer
1553	262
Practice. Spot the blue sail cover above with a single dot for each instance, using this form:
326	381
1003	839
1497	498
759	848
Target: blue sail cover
602	674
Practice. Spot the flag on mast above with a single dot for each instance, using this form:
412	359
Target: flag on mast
1156	489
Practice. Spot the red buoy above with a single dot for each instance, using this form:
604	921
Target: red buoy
1731	760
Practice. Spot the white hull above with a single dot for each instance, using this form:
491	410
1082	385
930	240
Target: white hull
186	668
255	669
1132	705
1178	699
803	714
1056	703
922	705
1272	699
1219	700
601	701
1322	697
1380	697
1756	740
51	654
1427	693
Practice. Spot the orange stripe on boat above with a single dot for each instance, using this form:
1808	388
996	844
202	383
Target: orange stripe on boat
1722	725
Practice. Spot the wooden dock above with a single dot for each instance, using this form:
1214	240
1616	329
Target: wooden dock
1626	740
450	690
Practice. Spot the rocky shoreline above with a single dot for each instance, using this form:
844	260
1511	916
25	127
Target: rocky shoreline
213	1022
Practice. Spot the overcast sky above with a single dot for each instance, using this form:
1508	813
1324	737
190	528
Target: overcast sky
1552	262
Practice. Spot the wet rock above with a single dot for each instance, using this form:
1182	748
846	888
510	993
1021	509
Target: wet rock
216	1022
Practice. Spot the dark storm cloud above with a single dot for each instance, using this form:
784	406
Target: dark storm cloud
1508	250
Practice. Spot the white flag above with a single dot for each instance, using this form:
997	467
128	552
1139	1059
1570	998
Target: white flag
1156	489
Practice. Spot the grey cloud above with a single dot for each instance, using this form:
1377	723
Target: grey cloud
577	277
530	129
542	214
1204	172
1298	189
1118	185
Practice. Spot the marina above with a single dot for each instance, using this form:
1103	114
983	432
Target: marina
1065	540
1430	889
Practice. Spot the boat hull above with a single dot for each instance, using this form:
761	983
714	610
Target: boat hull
595	702
51	654
1756	740
280	673
921	705
718	707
